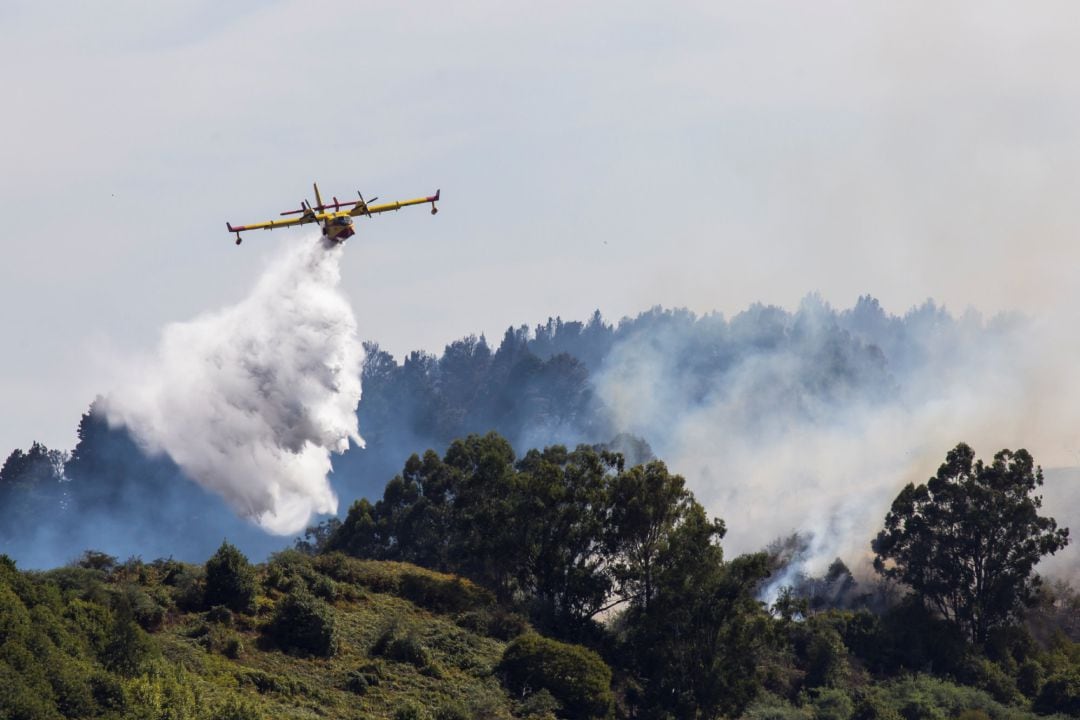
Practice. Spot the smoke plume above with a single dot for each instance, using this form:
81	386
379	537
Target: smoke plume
811	422
250	400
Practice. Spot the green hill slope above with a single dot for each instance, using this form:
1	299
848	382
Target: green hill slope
136	640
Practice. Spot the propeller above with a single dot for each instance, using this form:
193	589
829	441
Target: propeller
364	203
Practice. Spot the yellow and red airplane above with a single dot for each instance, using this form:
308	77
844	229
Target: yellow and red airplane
336	217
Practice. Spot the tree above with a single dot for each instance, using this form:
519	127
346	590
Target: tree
230	580
966	541
696	646
303	624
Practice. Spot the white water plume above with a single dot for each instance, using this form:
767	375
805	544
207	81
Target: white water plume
250	400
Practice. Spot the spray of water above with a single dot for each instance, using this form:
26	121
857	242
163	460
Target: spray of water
250	400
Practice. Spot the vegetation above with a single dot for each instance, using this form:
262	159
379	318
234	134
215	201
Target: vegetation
575	677
230	580
966	541
562	584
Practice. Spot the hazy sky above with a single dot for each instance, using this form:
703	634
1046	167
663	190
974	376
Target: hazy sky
600	155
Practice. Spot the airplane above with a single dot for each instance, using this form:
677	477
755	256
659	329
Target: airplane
336	218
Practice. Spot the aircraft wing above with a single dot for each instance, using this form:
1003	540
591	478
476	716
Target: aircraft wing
360	209
271	224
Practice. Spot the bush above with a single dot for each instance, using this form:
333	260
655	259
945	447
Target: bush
129	648
833	704
230	580
494	622
400	646
364	678
304	624
236	709
1029	678
771	707
1060	694
574	675
234	647
411	711
871	704
221	615
452	710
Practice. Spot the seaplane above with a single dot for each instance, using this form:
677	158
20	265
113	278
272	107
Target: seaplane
335	217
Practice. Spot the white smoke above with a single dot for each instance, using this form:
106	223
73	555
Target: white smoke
772	459
251	400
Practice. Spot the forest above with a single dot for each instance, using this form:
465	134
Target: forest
516	544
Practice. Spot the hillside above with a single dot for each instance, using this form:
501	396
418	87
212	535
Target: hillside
561	584
106	639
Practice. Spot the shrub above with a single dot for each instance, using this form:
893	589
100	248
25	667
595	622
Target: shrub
221	615
540	704
995	681
574	675
395	644
236	709
495	622
108	692
363	678
825	656
1029	678
230	580
129	648
871	704
831	704
771	707
1060	694
304	624
410	711
452	710
234	647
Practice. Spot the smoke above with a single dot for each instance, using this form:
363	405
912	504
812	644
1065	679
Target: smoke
811	422
250	400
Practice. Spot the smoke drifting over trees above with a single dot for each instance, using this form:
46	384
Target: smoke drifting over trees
782	421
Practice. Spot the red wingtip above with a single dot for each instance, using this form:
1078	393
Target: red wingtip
229	225
437	194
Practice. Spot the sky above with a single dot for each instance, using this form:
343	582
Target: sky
608	155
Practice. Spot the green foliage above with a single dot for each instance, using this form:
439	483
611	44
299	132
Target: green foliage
1030	678
411	711
365	677
234	708
230	580
927	697
968	539
832	704
1061	694
436	591
401	645
697	646
771	707
451	710
304	624
574	675
129	647
540	704
822	653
